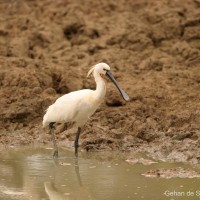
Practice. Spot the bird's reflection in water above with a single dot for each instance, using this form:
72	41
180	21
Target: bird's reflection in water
55	194
80	192
76	165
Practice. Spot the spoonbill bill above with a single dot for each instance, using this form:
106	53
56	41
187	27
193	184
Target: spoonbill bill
78	106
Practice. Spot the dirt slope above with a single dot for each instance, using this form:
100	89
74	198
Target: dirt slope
153	48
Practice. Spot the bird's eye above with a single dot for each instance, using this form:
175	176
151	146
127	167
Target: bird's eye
104	69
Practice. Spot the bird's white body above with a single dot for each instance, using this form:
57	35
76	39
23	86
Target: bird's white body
77	106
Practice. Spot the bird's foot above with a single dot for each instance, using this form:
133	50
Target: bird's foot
55	154
76	150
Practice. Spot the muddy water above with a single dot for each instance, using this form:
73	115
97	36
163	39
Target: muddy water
33	174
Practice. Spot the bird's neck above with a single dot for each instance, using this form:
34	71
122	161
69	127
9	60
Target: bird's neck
100	86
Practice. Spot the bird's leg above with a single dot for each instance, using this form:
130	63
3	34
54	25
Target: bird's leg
76	141
51	128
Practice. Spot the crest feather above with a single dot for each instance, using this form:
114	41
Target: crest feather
91	70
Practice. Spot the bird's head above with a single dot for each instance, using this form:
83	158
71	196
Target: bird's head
104	69
100	68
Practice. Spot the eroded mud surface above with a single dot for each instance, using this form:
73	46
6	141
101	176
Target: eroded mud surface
177	172
153	48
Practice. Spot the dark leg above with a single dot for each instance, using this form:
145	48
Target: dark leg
51	128
76	141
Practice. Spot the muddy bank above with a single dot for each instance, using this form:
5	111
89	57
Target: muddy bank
153	48
178	172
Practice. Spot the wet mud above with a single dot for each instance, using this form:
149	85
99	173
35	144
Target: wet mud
177	172
153	48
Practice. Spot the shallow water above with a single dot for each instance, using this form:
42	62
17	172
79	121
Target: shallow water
33	174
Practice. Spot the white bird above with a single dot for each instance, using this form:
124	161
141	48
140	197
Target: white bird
78	106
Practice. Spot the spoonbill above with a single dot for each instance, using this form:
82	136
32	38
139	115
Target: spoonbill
79	105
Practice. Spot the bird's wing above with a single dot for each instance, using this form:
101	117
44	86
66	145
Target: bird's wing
67	107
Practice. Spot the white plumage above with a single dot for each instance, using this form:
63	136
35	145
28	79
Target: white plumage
78	106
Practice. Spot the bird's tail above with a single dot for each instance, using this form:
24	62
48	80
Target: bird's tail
44	122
